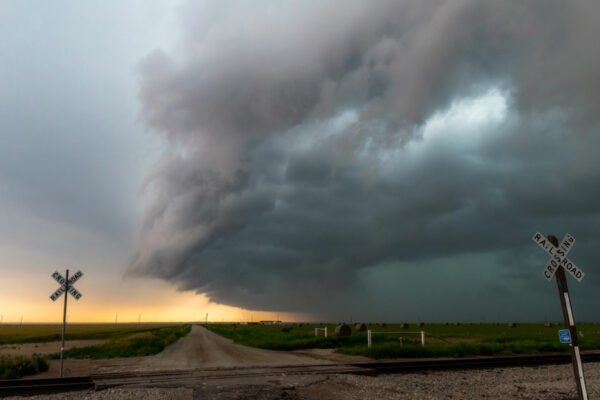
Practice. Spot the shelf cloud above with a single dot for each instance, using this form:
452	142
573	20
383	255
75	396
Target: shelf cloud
321	148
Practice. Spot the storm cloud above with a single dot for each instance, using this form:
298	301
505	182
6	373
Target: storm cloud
310	149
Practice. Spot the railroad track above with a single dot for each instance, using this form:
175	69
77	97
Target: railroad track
195	376
16	387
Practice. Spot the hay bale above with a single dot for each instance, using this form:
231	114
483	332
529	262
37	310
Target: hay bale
286	329
343	330
361	327
421	324
457	324
404	325
382	324
548	324
512	324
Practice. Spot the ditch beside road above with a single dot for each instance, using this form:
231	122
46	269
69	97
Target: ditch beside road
30	349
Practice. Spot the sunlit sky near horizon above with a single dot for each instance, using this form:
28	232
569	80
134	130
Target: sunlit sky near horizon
365	160
70	110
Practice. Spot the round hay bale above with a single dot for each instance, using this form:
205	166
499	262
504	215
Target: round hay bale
286	329
548	324
421	324
457	324
512	324
361	327
382	324
404	325
343	330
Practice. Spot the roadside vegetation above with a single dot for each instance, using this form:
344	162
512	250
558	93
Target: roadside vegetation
137	344
441	340
125	340
16	367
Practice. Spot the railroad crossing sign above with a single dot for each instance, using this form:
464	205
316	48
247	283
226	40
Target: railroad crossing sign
558	253
59	278
558	256
66	285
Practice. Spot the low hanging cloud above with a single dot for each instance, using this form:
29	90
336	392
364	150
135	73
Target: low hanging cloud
308	144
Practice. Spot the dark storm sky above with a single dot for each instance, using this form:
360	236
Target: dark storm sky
386	159
365	159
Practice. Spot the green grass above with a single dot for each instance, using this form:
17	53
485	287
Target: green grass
442	340
136	344
270	337
15	334
19	366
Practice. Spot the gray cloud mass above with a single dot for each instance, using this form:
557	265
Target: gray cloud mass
312	148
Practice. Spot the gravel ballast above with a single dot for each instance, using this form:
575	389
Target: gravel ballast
553	382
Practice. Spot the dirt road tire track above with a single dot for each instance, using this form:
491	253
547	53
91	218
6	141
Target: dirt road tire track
204	349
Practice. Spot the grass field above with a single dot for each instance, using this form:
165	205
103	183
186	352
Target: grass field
125	340
10	334
441	340
131	344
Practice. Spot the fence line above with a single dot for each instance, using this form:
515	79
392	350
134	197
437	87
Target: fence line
370	333
320	329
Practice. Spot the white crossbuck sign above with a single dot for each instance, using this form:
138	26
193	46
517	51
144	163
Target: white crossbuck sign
558	256
59	278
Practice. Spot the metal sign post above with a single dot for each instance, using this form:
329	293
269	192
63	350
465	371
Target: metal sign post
66	286
556	266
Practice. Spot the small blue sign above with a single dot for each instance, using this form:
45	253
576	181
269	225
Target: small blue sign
564	335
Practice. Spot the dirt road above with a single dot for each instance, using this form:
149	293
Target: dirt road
200	349
204	349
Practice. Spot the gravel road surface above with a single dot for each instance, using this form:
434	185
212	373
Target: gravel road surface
203	349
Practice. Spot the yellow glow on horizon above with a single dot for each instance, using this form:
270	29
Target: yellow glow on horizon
183	307
154	302
26	285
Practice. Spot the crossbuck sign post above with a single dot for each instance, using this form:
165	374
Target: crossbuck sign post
556	266
65	286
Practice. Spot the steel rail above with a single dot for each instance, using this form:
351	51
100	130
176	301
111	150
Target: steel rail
16	387
471	363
